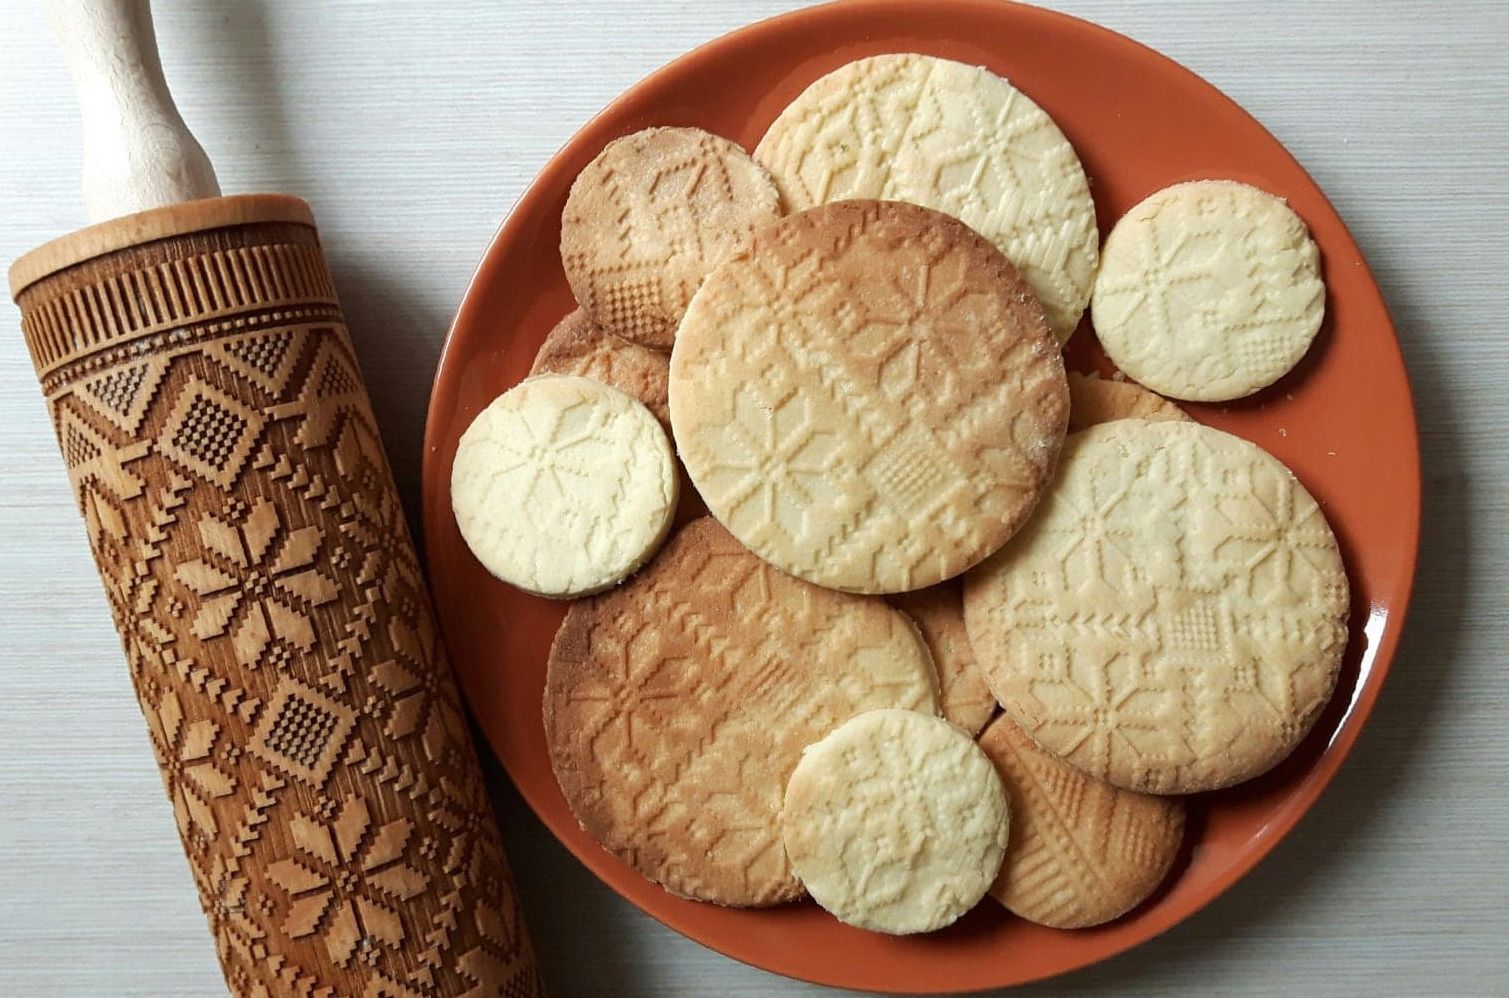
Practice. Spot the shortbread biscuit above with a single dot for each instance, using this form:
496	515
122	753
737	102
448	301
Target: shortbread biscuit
895	822
1173	618
1208	291
563	486
938	612
676	707
1095	400
1082	852
649	217
579	346
868	396
953	137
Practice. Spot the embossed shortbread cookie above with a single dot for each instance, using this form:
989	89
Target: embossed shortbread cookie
1082	852
867	395
649	217
1208	291
953	137
938	612
677	705
895	822
562	486
1173	618
1095	400
579	346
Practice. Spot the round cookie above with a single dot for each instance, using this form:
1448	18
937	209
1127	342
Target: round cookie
938	612
1082	852
1208	291
1173	618
649	217
896	822
949	136
677	705
563	486
578	346
868	396
1095	400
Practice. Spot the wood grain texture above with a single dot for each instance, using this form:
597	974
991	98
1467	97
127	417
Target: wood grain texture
413	143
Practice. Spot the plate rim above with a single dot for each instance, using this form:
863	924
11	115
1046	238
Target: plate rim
1349	726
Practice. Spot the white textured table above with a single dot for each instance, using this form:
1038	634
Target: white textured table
412	133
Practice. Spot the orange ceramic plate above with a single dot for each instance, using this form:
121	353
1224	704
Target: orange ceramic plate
1343	421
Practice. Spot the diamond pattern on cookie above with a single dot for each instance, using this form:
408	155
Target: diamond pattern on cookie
649	217
952	137
1173	618
1208	291
1082	852
868	396
579	346
677	705
562	486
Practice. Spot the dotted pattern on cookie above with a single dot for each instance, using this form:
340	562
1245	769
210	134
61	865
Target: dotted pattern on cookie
1082	852
1173	618
649	217
677	705
1208	291
895	822
938	612
1094	400
562	486
578	346
953	137
868	396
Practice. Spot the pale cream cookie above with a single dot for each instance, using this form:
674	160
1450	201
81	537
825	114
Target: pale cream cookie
563	486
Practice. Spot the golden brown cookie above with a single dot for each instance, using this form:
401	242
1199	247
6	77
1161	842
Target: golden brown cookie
1082	852
895	822
938	612
677	705
868	396
1173	618
578	346
1095	400
649	217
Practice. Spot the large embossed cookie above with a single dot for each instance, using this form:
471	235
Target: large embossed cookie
1173	618
1095	400
562	486
868	396
953	137
938	612
677	705
895	822
1082	852
1208	291
649	217
581	347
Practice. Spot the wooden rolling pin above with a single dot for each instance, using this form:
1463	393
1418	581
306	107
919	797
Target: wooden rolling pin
222	450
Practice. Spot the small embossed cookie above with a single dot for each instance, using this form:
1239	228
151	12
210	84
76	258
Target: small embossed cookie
649	217
868	396
578	346
677	705
563	486
938	612
1173	618
957	138
1095	400
1208	291
1082	852
895	822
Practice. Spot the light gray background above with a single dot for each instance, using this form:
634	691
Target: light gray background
413	127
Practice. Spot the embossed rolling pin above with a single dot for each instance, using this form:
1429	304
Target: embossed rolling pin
222	451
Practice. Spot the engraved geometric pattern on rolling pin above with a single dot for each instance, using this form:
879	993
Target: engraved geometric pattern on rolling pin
275	621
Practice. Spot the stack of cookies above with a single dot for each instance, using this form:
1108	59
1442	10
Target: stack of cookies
959	622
